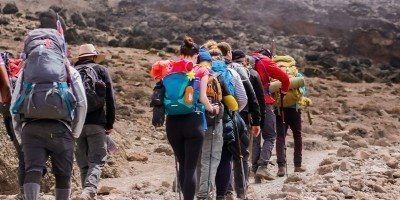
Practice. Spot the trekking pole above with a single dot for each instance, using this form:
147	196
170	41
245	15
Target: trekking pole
211	151
178	185
284	131
240	156
250	148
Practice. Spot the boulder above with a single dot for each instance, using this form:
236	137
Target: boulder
291	189
345	152
77	19
360	143
136	156
164	149
4	21
322	170
10	8
293	178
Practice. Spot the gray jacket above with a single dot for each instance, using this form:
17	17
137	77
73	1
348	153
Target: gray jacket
79	114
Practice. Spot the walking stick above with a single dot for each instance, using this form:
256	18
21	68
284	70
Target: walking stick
250	149
284	131
178	185
240	155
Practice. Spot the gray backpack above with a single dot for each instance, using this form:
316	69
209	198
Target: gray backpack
46	91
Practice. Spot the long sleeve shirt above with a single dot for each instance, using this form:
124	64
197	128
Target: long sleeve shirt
103	117
267	69
79	113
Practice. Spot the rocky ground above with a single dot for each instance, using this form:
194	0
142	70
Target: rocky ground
351	150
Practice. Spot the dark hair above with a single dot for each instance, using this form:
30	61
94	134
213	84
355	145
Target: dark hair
189	48
49	19
224	47
265	52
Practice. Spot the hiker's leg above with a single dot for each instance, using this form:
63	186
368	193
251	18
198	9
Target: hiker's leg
193	147
256	152
294	122
81	152
205	160
238	174
175	138
269	136
36	157
97	157
280	141
224	171
61	148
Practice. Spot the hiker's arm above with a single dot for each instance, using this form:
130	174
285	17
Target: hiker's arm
240	92
4	84
81	103
277	73
110	101
254	108
259	91
17	124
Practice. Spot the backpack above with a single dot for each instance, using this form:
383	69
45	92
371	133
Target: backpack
95	88
294	96
181	94
46	91
220	66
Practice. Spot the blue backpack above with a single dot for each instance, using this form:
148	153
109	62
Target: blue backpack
174	99
220	66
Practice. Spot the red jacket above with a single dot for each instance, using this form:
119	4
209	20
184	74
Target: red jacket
267	69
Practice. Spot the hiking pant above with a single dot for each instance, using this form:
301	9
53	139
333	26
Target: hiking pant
91	156
262	154
224	172
21	164
185	133
237	178
41	139
207	169
292	120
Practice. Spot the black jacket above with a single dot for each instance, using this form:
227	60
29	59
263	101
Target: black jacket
102	117
259	92
252	106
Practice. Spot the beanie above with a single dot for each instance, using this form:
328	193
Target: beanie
237	54
204	55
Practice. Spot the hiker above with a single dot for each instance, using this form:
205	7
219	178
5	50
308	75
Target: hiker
267	69
9	69
230	119
293	103
185	127
91	146
251	115
213	140
252	108
48	125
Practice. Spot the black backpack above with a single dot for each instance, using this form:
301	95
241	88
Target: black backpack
95	87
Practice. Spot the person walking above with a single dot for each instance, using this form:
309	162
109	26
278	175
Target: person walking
267	69
91	146
59	105
185	132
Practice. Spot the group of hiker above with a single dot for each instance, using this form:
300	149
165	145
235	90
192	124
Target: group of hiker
224	112
50	105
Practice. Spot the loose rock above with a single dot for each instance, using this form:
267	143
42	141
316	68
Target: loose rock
135	156
164	149
345	152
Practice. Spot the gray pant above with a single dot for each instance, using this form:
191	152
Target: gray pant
91	156
204	164
262	154
44	138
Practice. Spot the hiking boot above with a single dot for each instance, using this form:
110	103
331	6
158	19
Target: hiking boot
230	196
257	180
299	169
281	172
262	172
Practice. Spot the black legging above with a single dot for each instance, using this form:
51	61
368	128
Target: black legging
185	134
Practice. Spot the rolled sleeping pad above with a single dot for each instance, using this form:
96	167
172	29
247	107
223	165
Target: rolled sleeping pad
295	82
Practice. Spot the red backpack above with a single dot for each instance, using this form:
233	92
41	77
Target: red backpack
8	75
